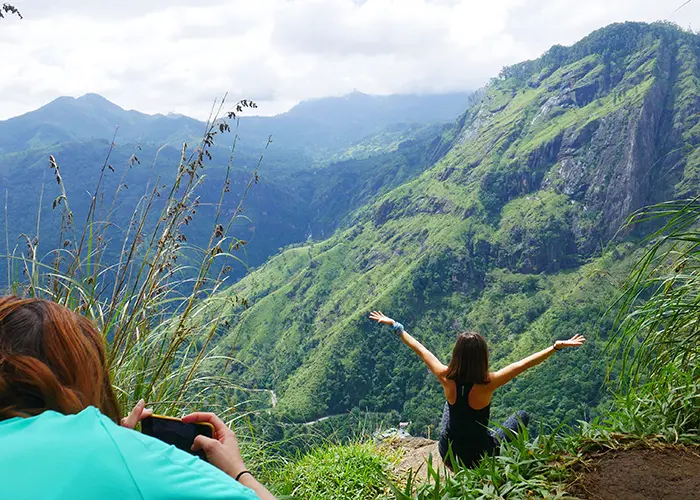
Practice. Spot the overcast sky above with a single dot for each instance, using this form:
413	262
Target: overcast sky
178	55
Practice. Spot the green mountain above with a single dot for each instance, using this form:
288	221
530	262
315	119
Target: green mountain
328	157
502	235
92	117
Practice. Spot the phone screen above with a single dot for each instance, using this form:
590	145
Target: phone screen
176	432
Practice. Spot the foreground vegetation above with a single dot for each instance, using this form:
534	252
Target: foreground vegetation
353	471
656	403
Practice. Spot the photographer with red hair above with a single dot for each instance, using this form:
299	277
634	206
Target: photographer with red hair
59	422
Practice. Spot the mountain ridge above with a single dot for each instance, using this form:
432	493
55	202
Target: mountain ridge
92	116
286	205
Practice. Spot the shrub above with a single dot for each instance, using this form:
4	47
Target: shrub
354	471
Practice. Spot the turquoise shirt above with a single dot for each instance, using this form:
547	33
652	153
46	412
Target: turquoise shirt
87	456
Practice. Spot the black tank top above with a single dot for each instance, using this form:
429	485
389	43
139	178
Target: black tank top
467	428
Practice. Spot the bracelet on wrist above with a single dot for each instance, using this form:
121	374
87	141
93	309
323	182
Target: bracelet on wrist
238	477
554	346
398	328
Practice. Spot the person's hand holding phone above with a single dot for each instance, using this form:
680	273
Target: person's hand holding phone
137	414
222	450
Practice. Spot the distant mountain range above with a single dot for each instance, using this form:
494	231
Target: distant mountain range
91	117
317	127
290	203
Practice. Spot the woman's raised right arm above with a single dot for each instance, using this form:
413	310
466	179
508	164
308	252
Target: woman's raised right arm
433	363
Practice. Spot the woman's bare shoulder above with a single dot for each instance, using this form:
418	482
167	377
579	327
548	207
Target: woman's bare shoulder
480	396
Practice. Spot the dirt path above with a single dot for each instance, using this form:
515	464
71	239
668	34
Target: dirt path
641	474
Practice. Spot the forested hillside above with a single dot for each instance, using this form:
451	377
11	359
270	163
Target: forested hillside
326	158
504	235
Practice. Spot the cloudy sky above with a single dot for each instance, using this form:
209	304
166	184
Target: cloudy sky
178	55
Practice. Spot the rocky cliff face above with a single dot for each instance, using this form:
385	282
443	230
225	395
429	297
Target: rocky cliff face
601	130
543	170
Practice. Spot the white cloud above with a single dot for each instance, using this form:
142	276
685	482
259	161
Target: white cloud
178	55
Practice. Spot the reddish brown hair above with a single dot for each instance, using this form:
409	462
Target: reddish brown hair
470	360
51	359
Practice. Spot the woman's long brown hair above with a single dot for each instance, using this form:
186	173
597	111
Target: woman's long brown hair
51	359
470	360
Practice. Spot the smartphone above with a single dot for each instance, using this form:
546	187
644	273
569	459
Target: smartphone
176	432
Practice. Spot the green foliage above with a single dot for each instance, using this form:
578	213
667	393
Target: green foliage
388	141
661	304
535	234
664	409
353	471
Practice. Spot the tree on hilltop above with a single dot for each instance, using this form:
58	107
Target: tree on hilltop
9	9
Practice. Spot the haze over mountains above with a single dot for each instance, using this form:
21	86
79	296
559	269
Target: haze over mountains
279	212
322	125
494	222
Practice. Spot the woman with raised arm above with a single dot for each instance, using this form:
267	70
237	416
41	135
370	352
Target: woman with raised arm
468	387
60	432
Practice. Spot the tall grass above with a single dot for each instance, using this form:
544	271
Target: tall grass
657	334
658	324
154	301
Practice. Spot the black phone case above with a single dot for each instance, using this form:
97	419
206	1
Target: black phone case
176	433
